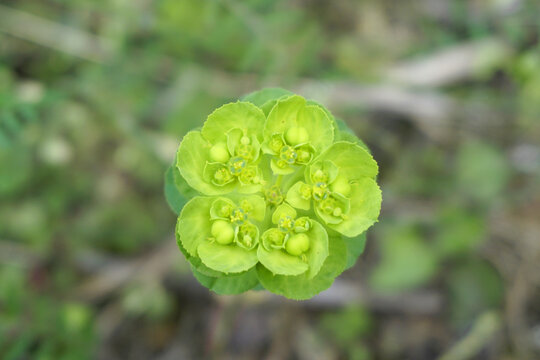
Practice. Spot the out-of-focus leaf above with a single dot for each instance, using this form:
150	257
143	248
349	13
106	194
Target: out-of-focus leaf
458	232
474	287
407	262
16	168
347	325
482	171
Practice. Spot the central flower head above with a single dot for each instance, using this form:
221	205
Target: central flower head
275	185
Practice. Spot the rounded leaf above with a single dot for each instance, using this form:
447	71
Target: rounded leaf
294	112
301	287
228	284
226	258
318	248
283	211
281	263
193	226
191	160
351	159
239	115
299	196
365	206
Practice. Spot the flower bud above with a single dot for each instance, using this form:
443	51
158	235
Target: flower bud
219	153
247	236
223	232
245	140
222	176
303	156
320	176
236	165
297	244
276	237
274	195
276	143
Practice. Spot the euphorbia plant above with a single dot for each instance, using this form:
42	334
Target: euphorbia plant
272	192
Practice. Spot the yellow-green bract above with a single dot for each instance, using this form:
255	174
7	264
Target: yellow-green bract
272	192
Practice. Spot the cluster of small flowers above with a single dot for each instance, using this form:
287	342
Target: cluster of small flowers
280	196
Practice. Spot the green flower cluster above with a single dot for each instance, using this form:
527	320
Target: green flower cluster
280	196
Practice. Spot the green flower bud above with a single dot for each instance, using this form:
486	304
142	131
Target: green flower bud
297	244
222	176
245	151
248	176
236	165
238	216
219	152
246	206
304	156
305	191
245	140
297	135
247	236
274	238
302	224
341	185
320	191
276	143
223	232
288	155
286	224
320	176
274	195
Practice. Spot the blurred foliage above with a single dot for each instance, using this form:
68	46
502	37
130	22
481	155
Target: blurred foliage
407	261
84	145
32	324
347	328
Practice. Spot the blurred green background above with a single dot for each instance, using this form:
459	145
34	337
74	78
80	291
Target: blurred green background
96	95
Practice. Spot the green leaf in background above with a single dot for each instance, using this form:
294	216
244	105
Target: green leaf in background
301	287
458	232
16	167
482	171
406	260
474	286
231	284
347	325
